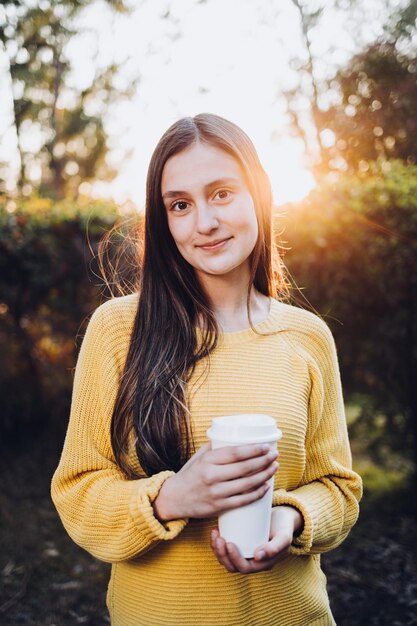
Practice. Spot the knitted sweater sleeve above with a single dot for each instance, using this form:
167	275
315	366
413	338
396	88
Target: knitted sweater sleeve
330	490
103	512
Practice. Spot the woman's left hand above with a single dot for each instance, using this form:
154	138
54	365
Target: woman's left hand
285	521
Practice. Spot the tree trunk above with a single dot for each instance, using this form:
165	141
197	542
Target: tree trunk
21	178
56	164
310	71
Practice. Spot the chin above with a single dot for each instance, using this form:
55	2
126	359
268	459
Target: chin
223	271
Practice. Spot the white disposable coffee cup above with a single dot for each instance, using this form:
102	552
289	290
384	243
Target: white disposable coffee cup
247	526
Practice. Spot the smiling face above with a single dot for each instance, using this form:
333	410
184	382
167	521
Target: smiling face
210	212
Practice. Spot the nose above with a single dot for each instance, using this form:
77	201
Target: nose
207	219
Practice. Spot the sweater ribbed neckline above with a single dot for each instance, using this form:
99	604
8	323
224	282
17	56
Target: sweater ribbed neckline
270	323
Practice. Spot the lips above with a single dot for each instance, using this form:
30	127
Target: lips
212	245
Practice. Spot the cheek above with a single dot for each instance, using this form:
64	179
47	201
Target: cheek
250	226
255	229
179	231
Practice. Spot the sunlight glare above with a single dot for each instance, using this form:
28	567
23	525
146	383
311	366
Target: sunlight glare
291	181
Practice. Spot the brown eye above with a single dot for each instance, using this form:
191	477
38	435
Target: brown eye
223	194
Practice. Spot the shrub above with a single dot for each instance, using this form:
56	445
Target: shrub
354	250
49	285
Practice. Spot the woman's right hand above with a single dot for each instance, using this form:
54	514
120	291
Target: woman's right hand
217	480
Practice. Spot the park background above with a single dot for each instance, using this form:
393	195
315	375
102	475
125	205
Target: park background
328	92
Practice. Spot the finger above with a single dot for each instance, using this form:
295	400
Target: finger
242	486
240	564
277	545
247	566
244	491
213	536
228	480
262	566
242	499
220	551
240	469
234	454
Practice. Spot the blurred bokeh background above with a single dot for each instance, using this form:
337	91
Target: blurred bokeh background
328	93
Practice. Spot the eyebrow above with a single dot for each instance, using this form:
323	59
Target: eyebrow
213	183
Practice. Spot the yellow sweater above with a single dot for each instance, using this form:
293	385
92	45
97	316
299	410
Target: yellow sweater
166	574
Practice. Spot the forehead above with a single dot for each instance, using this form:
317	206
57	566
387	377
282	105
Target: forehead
198	165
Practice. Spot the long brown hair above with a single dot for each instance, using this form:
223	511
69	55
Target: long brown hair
164	349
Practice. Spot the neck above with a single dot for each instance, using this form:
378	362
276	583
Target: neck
228	298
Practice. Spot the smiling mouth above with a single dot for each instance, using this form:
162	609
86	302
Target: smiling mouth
214	245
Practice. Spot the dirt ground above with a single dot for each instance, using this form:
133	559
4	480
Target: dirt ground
45	580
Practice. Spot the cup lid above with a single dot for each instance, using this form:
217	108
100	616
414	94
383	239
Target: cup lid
244	428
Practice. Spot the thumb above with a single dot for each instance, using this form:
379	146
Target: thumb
277	544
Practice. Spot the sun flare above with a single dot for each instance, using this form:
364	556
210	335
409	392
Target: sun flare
291	181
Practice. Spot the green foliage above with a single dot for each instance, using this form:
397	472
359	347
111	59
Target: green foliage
49	285
375	117
71	140
403	23
366	109
354	251
379	480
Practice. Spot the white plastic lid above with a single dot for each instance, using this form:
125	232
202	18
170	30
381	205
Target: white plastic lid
244	428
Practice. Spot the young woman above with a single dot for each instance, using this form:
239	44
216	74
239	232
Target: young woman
207	334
